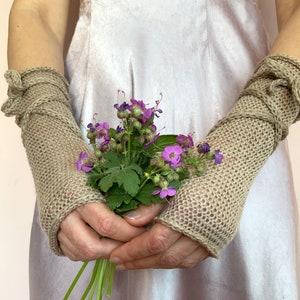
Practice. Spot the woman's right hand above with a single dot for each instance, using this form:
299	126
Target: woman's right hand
81	234
92	231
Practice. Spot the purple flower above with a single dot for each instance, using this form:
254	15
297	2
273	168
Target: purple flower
172	155
84	164
102	129
185	141
124	106
164	192
138	108
217	157
203	148
152	141
147	114
119	129
91	127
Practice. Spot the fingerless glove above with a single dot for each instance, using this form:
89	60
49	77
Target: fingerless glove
39	99
208	208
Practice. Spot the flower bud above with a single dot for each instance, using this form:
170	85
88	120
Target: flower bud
136	111
156	178
119	147
97	152
141	139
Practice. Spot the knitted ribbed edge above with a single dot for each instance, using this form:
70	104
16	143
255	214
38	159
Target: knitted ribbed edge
208	208
39	99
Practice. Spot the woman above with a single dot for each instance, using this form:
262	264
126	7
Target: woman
199	56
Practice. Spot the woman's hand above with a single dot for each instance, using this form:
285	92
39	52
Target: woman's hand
92	231
81	231
161	247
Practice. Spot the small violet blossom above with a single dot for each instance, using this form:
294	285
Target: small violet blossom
145	113
217	157
164	192
147	145
172	155
102	129
186	141
124	106
84	164
91	127
203	148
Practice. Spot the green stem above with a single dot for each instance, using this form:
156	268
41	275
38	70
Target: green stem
92	280
128	149
75	280
111	278
96	281
106	274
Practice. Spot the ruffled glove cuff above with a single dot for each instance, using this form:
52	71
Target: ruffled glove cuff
39	99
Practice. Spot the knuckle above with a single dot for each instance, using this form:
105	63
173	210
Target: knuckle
158	243
171	260
188	264
106	226
88	252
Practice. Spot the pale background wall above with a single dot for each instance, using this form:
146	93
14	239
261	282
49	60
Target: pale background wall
17	191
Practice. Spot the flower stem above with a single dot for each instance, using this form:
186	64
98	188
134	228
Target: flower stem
111	278
100	278
75	280
92	280
96	280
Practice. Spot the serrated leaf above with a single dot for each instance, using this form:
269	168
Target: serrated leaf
116	196
145	194
112	159
136	168
126	207
93	179
129	180
106	182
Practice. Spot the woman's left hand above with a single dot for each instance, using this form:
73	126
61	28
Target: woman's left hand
160	247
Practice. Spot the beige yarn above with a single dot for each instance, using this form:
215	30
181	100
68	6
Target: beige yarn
39	99
208	208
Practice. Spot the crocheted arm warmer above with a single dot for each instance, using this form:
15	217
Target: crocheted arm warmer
208	208
39	99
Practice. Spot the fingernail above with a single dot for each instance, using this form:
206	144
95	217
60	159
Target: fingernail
133	214
115	260
120	267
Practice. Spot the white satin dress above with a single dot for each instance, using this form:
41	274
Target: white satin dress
198	54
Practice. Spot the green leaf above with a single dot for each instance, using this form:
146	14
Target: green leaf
116	196
175	183
163	141
136	168
129	180
145	194
106	182
93	179
113	159
126	207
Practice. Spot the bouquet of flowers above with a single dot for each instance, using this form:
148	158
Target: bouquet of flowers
134	164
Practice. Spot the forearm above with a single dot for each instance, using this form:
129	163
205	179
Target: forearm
37	34
288	40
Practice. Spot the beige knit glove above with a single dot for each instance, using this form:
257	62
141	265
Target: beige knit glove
39	99
208	208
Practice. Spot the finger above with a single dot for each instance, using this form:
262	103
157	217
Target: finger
184	253
79	241
155	241
196	257
144	215
106	223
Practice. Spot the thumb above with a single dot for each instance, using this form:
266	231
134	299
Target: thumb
143	215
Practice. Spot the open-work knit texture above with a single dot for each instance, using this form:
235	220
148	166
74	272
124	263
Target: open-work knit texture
39	99
208	208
